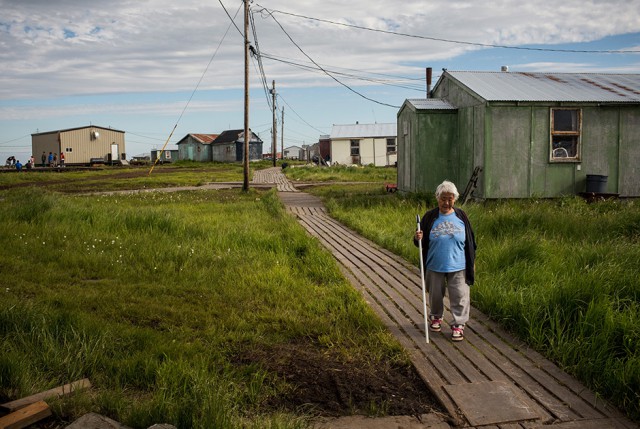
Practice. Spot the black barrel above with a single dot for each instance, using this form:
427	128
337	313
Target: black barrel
596	183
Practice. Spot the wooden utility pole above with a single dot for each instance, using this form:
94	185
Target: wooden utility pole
282	134
275	130
247	137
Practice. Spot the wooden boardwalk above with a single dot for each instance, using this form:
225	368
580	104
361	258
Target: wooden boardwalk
489	380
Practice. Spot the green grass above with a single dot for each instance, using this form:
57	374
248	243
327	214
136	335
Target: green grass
101	179
561	274
341	173
154	296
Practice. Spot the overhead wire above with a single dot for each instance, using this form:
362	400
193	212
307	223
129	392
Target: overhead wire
197	85
322	69
348	75
437	39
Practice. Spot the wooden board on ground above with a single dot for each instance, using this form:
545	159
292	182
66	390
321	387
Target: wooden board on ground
491	402
25	416
56	392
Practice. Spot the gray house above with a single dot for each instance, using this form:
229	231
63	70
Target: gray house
196	147
529	134
229	147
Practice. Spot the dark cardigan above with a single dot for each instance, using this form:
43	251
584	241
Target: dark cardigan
469	243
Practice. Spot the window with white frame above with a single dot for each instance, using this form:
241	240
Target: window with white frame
391	145
566	127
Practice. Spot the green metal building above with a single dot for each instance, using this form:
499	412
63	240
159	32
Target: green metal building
531	134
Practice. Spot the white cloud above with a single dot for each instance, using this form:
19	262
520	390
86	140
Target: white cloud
56	48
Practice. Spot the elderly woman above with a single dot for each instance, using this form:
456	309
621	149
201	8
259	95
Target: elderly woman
448	249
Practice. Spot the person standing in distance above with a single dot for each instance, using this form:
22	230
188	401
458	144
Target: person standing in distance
449	251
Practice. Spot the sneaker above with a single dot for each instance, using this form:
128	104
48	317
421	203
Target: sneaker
435	323
457	332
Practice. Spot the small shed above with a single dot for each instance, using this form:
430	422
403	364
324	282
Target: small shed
229	147
531	134
81	145
364	144
169	154
293	152
196	147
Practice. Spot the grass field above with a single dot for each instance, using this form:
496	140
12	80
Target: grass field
175	305
561	274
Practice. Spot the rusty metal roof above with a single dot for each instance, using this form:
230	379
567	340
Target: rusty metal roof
204	138
572	87
431	104
349	131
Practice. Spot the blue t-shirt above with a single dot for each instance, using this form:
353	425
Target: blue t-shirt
446	244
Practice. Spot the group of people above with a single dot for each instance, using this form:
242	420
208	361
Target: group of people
52	160
12	162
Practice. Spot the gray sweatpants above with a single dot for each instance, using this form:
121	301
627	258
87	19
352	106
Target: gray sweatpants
459	300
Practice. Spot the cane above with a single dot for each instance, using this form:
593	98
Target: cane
424	287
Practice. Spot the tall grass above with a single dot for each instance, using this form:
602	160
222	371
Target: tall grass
561	274
153	296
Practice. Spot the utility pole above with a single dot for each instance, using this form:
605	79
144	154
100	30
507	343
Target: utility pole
247	137
282	134
275	130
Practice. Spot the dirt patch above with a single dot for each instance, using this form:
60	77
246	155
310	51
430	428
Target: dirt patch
324	383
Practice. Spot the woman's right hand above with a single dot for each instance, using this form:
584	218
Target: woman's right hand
418	235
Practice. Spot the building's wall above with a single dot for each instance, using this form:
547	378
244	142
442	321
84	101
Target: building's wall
234	152
427	153
193	150
373	151
223	152
44	143
79	145
167	155
629	153
255	151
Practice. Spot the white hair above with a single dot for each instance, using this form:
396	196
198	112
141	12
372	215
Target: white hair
447	187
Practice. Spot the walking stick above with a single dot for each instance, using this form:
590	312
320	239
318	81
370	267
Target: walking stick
424	287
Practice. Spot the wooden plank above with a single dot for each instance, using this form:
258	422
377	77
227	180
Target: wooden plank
589	424
491	403
25	416
58	392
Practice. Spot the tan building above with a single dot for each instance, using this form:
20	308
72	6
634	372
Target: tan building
84	145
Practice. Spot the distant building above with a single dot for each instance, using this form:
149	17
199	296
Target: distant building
81	145
364	144
229	147
196	147
293	152
169	154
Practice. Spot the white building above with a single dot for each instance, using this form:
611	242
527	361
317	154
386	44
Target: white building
364	144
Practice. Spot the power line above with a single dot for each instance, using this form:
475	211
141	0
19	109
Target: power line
349	75
296	113
325	71
484	45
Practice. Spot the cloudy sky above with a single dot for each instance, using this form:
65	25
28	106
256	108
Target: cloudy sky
146	66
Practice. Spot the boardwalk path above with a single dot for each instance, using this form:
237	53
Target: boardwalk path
489	380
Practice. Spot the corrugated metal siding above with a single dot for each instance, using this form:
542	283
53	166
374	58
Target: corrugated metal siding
80	145
430	104
569	87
